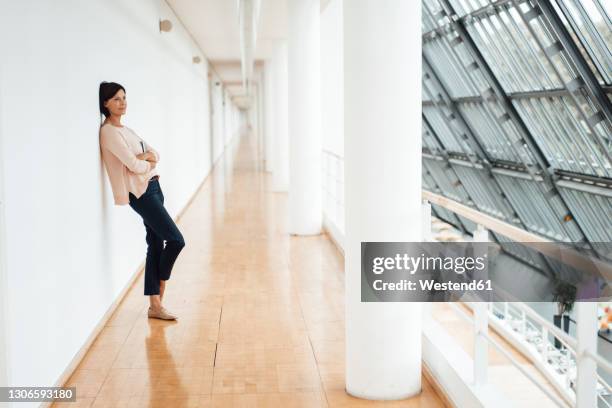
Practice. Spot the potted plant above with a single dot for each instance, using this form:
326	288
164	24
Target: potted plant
565	296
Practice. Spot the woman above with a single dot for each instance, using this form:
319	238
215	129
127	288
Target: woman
130	164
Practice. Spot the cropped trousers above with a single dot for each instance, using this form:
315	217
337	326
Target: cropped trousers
164	240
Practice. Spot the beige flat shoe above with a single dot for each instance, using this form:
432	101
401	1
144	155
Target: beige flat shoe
161	314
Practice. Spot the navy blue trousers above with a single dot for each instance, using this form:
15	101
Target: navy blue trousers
160	227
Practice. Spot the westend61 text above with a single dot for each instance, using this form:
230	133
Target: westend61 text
431	284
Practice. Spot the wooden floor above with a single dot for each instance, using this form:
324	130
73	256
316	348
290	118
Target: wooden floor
261	313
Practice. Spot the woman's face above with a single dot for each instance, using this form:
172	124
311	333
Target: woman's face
117	104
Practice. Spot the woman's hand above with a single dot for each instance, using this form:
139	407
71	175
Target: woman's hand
148	156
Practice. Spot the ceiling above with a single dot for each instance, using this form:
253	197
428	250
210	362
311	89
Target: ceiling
214	24
215	27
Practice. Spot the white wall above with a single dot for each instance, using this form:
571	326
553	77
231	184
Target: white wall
70	251
332	79
260	115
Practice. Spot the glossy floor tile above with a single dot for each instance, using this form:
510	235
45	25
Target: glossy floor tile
261	313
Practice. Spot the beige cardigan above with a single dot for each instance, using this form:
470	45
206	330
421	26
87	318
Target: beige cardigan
127	173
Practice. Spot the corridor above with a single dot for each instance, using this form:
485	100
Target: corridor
261	312
291	137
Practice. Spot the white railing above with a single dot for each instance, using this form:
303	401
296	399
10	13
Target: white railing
577	381
521	324
478	367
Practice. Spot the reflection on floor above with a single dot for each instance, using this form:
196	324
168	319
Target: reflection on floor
261	312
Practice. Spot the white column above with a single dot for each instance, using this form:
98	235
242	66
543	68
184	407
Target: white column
586	337
280	149
382	127
260	115
227	123
223	116
480	234
269	112
427	234
427	237
305	211
256	114
4	333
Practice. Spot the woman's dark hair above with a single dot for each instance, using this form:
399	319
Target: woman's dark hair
107	91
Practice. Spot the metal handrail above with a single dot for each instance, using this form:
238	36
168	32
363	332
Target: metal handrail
571	257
